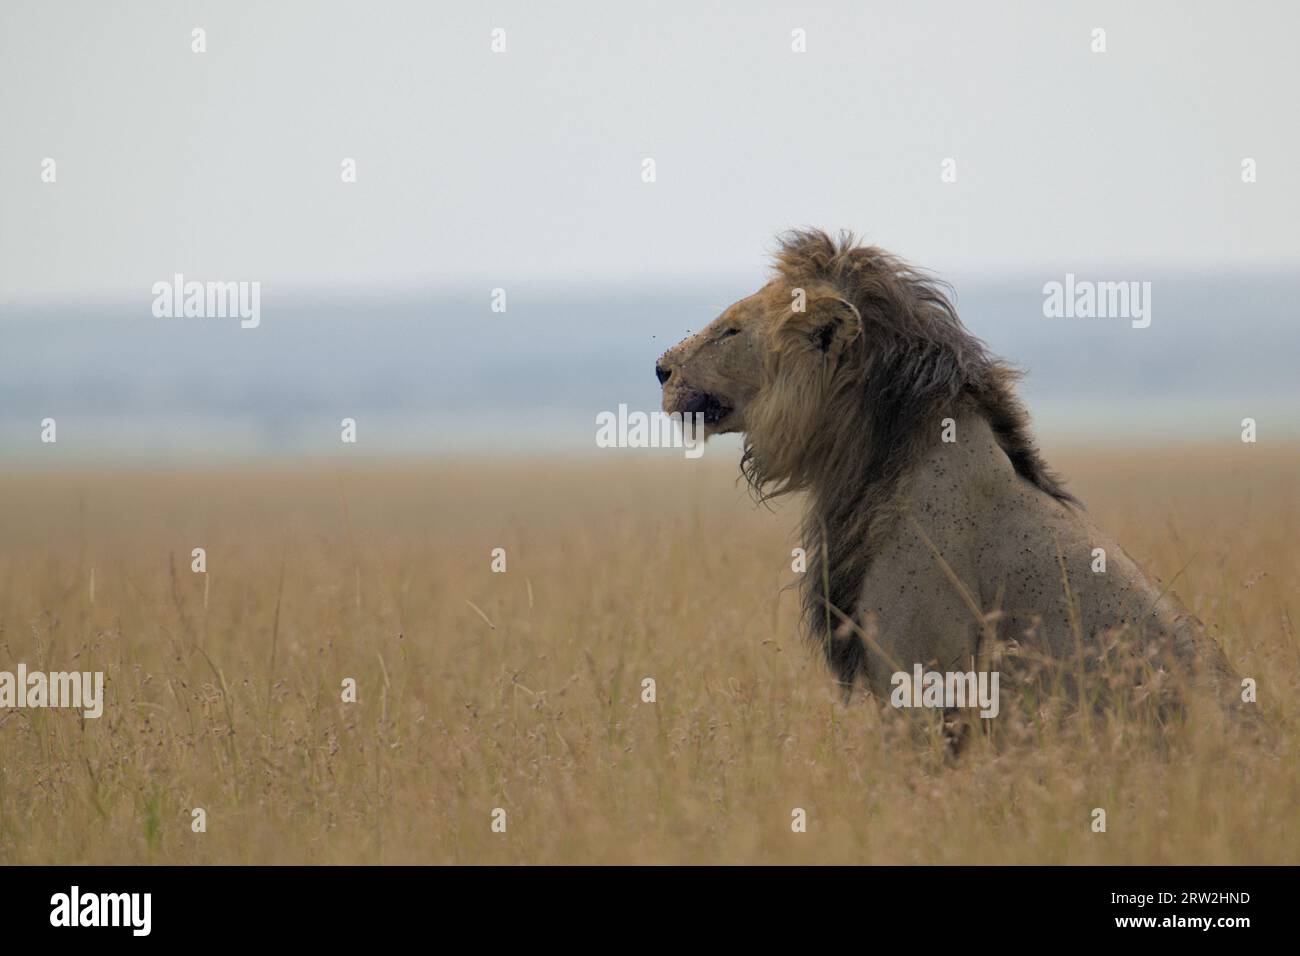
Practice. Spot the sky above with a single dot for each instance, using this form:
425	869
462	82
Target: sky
999	145
477	168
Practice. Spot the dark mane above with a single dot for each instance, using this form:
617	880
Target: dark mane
914	364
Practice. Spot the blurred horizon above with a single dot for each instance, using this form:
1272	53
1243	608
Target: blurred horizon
438	373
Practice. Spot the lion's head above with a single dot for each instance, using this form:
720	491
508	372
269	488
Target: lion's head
840	356
780	341
839	371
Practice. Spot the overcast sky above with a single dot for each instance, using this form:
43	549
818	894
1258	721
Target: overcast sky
482	167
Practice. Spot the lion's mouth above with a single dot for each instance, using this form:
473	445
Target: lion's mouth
715	410
688	402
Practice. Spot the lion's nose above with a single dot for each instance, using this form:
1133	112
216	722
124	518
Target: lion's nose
663	374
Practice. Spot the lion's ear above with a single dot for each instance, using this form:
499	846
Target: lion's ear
828	326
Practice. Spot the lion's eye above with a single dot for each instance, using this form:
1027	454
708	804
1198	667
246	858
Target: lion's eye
728	334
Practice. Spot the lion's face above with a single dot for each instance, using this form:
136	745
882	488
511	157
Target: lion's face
769	352
718	371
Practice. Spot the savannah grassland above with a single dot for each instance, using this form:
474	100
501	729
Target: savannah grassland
522	690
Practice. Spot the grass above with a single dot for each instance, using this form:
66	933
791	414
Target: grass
523	690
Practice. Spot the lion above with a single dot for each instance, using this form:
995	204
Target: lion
934	530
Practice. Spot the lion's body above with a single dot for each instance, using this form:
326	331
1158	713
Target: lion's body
1029	568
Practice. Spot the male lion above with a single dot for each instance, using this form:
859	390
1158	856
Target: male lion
844	372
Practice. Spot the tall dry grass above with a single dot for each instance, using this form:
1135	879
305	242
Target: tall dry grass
522	690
